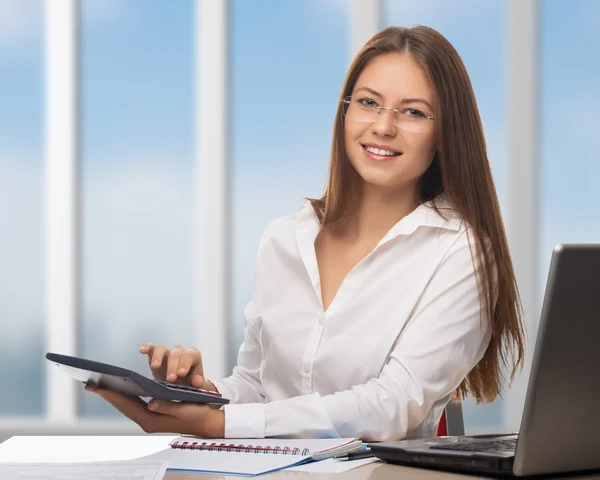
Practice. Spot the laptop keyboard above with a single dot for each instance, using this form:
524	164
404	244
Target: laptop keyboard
508	444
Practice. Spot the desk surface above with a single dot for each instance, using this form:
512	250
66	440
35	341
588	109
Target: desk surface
372	471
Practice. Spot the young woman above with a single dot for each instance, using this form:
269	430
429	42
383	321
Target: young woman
378	302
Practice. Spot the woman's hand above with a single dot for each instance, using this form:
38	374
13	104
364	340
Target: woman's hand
177	365
165	416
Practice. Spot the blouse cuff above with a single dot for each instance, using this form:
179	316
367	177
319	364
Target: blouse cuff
245	420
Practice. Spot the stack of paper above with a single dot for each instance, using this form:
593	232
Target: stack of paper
84	471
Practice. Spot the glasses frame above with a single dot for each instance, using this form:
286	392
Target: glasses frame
347	101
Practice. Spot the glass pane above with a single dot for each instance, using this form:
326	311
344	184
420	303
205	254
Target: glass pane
21	208
285	86
462	21
570	100
137	61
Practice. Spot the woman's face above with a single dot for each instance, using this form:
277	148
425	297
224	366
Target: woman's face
391	80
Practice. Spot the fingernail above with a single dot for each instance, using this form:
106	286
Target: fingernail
153	405
182	370
155	364
172	376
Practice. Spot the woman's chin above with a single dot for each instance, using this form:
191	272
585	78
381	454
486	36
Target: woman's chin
380	182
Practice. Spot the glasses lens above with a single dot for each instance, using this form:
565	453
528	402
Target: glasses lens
359	112
414	124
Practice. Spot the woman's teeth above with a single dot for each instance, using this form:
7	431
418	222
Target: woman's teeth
378	151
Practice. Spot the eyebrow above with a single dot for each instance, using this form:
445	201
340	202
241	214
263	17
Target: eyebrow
403	102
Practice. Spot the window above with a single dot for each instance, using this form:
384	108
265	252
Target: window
21	208
137	74
569	168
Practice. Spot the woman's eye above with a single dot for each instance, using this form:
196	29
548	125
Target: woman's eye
367	102
414	113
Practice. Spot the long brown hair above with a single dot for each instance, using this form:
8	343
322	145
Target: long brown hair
460	170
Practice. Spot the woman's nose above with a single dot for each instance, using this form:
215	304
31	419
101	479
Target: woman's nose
385	124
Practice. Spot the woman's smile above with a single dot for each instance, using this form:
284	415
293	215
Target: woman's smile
380	153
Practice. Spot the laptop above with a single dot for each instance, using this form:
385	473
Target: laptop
560	426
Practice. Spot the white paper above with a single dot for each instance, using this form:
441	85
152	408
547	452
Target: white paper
333	466
69	449
83	471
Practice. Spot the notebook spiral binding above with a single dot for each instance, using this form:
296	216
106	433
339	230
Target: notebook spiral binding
231	447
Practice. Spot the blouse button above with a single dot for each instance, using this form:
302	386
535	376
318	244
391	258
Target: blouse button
307	368
320	320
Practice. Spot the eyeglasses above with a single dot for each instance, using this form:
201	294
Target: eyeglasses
367	110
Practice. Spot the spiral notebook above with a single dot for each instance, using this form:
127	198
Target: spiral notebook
249	457
321	448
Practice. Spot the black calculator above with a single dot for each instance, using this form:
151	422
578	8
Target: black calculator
129	382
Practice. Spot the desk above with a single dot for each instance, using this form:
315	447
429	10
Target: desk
372	471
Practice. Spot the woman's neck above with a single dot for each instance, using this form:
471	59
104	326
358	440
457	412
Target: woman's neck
377	212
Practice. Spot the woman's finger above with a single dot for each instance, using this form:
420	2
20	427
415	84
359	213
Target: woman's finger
187	412
146	348
197	380
173	362
190	362
157	357
136	410
132	407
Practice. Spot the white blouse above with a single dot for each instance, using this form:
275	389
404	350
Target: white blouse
381	362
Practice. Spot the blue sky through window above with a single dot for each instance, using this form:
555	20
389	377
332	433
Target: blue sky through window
137	154
569	141
21	180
